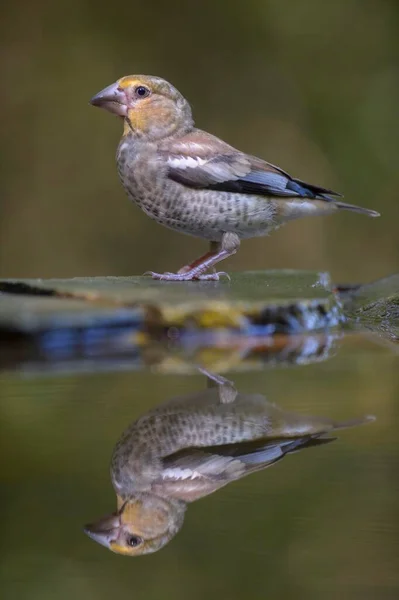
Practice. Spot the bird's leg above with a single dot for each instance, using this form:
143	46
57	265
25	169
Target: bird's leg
197	270
214	247
227	390
214	379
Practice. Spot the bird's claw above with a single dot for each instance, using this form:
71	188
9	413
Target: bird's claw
163	276
187	276
213	276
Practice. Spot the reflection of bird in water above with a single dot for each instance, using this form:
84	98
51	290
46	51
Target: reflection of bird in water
190	447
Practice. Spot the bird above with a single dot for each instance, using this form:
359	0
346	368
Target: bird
190	447
195	183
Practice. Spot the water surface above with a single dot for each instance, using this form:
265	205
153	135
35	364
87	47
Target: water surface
320	523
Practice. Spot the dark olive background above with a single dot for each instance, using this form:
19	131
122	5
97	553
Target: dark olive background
311	86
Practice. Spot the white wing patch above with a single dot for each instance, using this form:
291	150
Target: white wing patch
217	169
186	162
206	467
180	474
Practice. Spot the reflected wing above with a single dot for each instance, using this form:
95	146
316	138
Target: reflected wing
203	161
231	461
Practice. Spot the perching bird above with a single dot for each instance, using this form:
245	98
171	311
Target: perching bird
193	182
190	447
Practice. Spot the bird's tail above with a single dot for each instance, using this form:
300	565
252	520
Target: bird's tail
354	422
358	209
319	439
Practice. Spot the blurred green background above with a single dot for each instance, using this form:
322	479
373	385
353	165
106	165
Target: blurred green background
311	86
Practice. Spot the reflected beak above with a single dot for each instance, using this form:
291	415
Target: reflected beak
104	531
113	99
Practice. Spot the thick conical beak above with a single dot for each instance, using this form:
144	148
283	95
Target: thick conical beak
104	531
113	99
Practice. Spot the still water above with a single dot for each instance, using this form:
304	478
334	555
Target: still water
232	485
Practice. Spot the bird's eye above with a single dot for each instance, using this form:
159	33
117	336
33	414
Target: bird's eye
142	92
133	541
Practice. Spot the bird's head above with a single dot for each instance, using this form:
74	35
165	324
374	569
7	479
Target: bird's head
151	107
141	525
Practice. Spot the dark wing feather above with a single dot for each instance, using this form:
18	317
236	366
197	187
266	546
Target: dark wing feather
230	460
202	161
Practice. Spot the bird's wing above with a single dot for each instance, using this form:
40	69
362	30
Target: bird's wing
201	160
231	461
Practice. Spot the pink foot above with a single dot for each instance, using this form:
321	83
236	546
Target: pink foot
189	276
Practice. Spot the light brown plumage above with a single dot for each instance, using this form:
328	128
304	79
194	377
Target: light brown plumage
193	182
